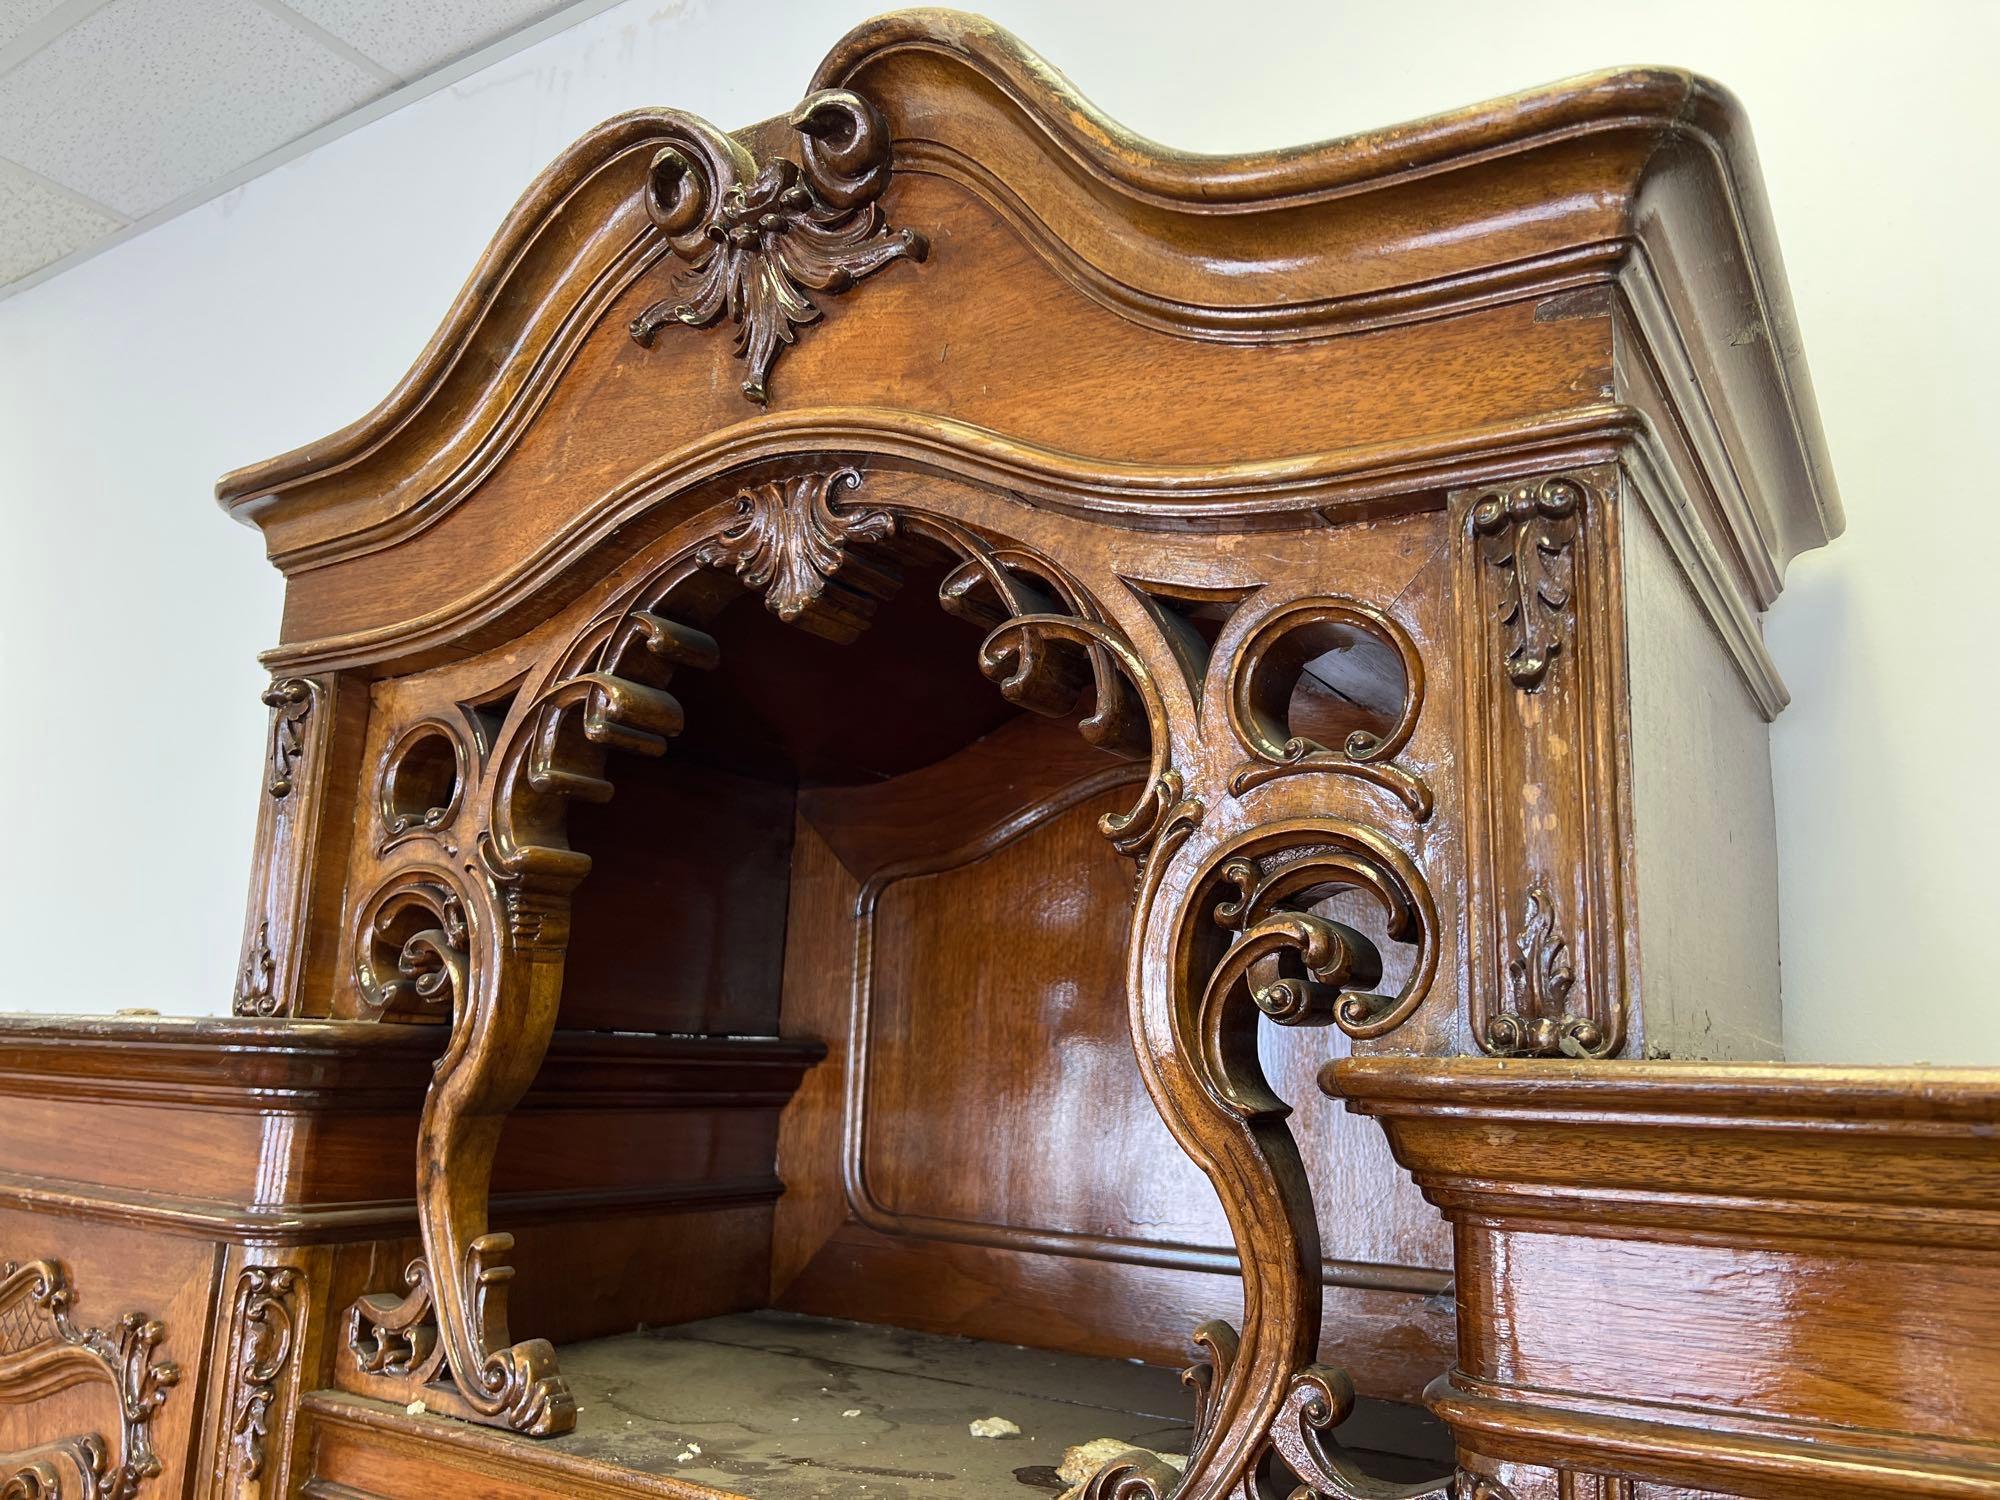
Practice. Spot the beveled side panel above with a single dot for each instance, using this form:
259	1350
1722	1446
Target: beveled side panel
1705	842
980	1157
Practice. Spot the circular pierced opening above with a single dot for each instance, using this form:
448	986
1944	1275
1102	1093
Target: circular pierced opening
1333	680
421	787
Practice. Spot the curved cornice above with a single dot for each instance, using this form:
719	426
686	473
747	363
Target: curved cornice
1263	180
1522	197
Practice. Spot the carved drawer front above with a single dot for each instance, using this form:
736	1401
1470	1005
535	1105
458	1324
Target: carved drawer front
102	1333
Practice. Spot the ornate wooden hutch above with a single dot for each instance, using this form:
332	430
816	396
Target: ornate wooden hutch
887	693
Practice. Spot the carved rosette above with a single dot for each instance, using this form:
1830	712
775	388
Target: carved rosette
37	1336
756	240
266	1325
1529	532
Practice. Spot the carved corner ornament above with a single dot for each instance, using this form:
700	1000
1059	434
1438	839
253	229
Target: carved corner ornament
1540	977
789	541
38	1336
266	1328
1530	532
255	994
756	240
290	701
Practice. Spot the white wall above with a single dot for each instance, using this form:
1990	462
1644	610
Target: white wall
131	611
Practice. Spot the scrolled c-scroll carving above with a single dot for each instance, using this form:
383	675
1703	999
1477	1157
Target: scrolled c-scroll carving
411	958
1258	719
1049	642
1540	977
291	701
789	541
42	1347
266	1330
73	1468
1529	533
1339	964
756	240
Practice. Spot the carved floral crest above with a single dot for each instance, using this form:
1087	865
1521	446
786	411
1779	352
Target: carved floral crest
757	240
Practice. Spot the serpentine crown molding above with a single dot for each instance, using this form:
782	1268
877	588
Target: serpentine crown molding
1308	242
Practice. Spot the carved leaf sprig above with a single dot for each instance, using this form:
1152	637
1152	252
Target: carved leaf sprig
757	240
1529	532
1540	978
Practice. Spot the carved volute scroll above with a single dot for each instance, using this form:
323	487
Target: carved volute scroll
1547	851
42	1348
1198	997
756	240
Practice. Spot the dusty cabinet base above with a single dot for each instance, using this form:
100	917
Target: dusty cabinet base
784	1407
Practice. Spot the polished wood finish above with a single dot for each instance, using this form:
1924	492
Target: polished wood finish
1724	1278
1091	602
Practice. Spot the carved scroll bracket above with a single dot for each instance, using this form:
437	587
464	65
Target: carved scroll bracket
756	240
38	1335
1258	1392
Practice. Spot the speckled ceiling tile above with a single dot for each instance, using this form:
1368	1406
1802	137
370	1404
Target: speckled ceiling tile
16	16
148	99
40	223
410	40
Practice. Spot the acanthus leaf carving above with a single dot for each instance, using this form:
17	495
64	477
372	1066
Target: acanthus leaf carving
1540	977
789	541
757	240
37	1329
255	995
1529	533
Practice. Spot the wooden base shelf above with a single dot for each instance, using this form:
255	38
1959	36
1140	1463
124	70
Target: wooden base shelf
785	1407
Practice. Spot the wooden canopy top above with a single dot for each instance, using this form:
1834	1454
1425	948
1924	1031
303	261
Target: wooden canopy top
1119	272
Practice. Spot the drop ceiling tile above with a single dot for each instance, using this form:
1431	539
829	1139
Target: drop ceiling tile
412	39
39	223
16	16
147	99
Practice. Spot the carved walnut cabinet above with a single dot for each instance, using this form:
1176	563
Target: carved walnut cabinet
886	693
